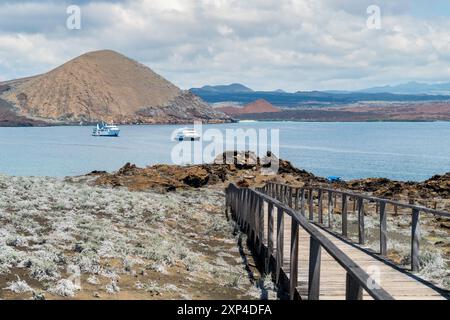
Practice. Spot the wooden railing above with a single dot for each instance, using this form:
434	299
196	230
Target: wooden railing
306	199
248	209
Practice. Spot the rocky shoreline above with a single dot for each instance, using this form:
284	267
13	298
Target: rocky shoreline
245	170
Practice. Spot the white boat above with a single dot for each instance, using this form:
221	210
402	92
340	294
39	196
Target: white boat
187	135
106	130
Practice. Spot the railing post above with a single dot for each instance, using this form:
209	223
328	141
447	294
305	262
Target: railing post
361	233
280	243
246	212
261	225
255	221
250	219
269	236
289	197
353	290
383	228
330	209
311	204
294	258
320	206
241	206
314	270
344	215
415	238
286	195
227	200
302	202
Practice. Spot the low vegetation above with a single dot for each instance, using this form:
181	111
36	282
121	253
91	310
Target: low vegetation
64	239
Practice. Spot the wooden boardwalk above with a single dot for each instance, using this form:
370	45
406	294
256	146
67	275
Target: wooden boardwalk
341	271
399	284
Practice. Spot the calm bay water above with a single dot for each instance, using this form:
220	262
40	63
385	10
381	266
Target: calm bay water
395	150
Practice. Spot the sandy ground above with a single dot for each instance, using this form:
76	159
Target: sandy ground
65	239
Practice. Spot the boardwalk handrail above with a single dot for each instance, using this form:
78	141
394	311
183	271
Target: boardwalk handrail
374	199
247	207
305	195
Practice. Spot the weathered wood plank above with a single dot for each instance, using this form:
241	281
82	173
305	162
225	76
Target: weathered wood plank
296	198
293	274
314	270
320	206
415	238
353	290
302	202
280	243
344	216
361	229
383	228
330	209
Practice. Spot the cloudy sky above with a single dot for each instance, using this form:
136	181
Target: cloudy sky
265	44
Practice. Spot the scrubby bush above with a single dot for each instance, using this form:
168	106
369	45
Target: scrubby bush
65	288
19	286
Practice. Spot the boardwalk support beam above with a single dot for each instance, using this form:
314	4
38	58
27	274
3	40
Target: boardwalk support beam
314	270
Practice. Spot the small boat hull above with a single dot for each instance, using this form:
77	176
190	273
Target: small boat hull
105	130
188	139
105	134
187	135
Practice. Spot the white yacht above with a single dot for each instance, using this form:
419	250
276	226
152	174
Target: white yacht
187	135
106	130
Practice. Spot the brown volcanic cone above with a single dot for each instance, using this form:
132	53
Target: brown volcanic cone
258	106
105	85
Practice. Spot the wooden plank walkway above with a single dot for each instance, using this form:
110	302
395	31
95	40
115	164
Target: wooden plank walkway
312	263
401	285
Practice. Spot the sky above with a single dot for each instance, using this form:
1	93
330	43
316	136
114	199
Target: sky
264	44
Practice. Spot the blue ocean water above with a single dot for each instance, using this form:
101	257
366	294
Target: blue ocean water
396	150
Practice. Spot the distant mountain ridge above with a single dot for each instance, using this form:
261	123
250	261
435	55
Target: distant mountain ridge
413	87
230	88
281	98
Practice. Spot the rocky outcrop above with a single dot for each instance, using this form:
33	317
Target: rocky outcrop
10	118
439	184
244	168
105	85
185	107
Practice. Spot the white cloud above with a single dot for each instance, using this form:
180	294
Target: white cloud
266	44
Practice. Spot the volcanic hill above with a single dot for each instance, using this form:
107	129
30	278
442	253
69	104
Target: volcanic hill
258	106
101	85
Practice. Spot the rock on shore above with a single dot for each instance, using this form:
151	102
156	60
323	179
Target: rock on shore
247	168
